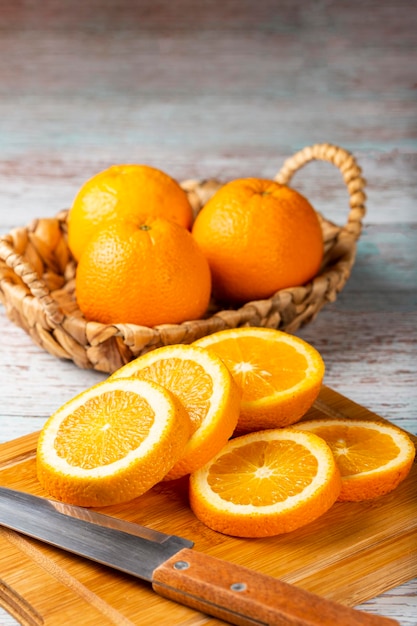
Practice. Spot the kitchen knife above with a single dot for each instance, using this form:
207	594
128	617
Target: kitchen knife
224	590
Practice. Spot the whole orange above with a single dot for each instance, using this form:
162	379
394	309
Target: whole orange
259	237
148	273
133	191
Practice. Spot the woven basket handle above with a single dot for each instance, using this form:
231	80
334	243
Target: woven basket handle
31	279
349	168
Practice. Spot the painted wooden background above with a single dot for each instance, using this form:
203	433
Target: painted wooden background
204	88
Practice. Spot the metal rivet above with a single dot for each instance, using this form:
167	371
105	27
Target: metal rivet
238	587
181	565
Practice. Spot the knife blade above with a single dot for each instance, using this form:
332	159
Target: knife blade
219	588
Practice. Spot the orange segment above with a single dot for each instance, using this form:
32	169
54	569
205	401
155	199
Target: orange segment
266	483
279	375
373	457
205	388
111	443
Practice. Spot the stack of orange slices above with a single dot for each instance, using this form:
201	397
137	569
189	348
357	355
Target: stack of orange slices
180	410
159	417
204	387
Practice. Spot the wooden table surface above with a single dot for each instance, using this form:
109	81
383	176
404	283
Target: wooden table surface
224	89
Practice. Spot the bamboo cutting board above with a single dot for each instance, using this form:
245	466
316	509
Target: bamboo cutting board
351	554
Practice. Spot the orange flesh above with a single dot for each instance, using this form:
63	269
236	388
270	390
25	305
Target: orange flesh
91	436
263	473
283	371
181	377
358	449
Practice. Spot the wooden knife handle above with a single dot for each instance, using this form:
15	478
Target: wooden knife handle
241	596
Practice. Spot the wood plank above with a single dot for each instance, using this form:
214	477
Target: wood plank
352	553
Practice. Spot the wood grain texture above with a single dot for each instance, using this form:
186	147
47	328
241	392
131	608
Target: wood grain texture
223	89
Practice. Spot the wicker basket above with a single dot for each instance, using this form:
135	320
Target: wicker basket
37	284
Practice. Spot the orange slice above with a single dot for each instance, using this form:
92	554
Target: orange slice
206	389
266	483
111	443
279	375
373	457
